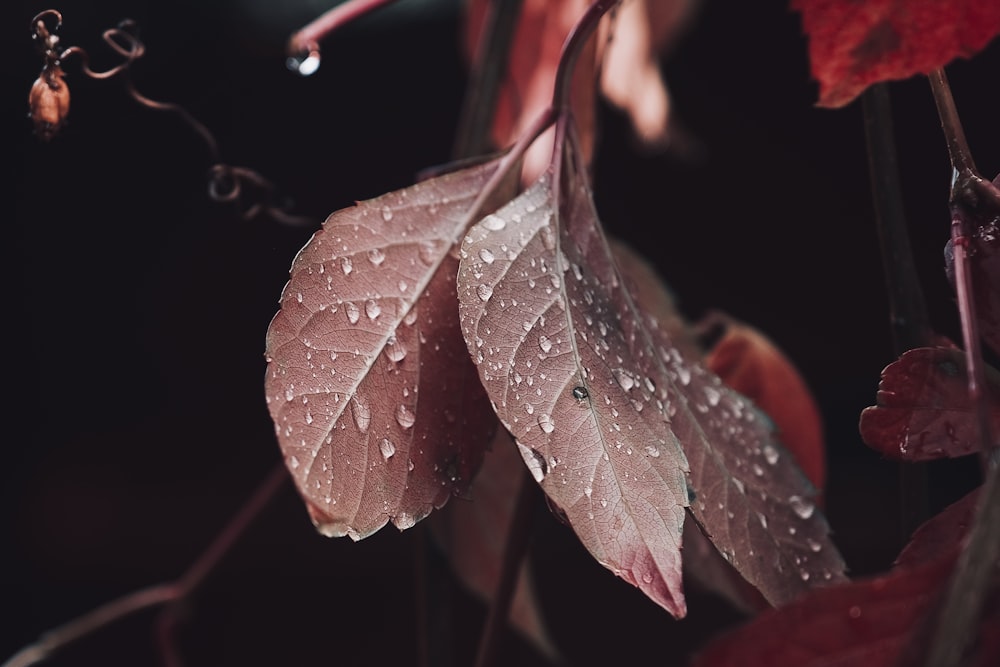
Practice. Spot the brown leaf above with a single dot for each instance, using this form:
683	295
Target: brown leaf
377	409
473	535
923	410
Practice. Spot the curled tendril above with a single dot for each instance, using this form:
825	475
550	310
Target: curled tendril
226	183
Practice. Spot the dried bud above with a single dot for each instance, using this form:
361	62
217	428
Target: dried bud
48	102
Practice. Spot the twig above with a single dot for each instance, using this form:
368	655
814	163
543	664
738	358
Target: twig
515	549
960	612
908	319
209	559
479	105
306	40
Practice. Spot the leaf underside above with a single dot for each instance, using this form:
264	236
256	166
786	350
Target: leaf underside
617	427
377	409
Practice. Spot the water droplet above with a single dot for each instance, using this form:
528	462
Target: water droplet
405	416
387	448
548	237
346	265
534	461
376	256
604	502
405	520
545	423
757	470
293	462
494	223
353	312
529	408
804	574
652	451
713	395
306	62
362	413
815	546
580	393
486	255
801	506
485	292
289	394
372	309
588	491
624	378
771	453
544	343
647	578
428	252
386	213
394	350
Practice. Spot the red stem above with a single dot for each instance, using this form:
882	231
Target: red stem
581	32
308	38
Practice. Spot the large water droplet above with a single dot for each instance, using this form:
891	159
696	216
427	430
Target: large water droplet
535	462
394	350
624	378
387	448
306	62
353	312
801	506
362	413
652	451
372	309
346	265
545	423
405	416
376	256
544	343
486	255
494	223
484	291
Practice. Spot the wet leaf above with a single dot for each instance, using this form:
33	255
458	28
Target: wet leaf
855	44
874	622
984	259
923	410
600	402
749	362
473	532
378	411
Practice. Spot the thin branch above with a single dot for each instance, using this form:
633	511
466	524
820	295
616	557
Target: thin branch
306	40
908	319
479	105
192	579
58	638
515	549
572	48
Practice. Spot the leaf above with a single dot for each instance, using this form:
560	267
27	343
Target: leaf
866	623
984	260
473	535
855	44
749	362
599	402
922	409
378	412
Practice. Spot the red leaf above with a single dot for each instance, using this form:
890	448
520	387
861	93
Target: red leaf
378	412
752	364
923	410
984	259
867	623
473	535
854	44
594	393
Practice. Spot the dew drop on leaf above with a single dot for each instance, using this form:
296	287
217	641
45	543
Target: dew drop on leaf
485	292
544	343
394	350
372	309
580	393
545	423
362	413
486	255
534	461
771	454
405	416
293	462
652	451
494	223
624	378
305	63
346	265
387	448
353	312
386	213
801	506
376	256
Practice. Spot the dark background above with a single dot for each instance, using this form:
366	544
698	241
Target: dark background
137	309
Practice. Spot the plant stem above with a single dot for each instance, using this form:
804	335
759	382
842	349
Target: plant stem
515	549
581	32
94	620
308	38
908	319
960	612
189	582
479	105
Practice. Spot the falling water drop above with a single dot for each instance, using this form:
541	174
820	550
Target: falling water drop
305	62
